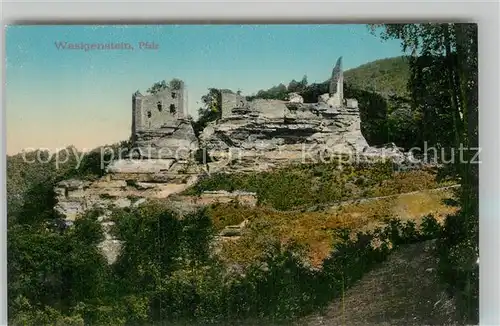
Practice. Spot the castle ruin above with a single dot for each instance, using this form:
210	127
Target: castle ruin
160	128
152	111
250	136
262	133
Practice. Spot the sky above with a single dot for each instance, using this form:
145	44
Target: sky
56	97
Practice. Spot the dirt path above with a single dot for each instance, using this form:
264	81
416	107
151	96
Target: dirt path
402	291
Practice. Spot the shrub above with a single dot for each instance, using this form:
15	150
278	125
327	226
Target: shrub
167	273
309	184
458	251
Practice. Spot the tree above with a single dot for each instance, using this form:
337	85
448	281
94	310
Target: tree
443	84
157	87
303	83
293	86
211	109
174	84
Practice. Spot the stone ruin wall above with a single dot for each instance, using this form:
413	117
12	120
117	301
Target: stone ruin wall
152	111
160	128
230	101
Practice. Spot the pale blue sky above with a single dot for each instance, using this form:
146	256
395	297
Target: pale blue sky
57	97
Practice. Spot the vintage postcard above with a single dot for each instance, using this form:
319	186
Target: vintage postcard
242	174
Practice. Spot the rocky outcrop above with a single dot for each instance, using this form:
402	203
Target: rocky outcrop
402	160
295	98
219	197
233	231
74	197
268	132
173	140
122	188
129	183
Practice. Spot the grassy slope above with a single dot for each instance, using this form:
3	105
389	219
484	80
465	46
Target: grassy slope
301	204
314	229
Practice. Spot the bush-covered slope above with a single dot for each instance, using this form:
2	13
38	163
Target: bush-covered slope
387	77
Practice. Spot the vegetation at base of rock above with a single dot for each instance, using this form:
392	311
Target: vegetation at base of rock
298	186
166	272
50	271
31	176
211	111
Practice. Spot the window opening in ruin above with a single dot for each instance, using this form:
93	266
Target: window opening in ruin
160	106
174	95
149	114
172	108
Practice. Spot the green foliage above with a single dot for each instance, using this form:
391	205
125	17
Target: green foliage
296	86
157	87
166	272
374	113
458	252
387	77
176	84
31	177
306	185
211	110
443	84
279	92
27	314
56	268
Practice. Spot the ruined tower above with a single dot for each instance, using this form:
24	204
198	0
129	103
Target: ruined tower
152	111
160	128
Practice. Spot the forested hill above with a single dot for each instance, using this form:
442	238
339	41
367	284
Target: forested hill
386	77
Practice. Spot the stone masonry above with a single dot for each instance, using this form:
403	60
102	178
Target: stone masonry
160	128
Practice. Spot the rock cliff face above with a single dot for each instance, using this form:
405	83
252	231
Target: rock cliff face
173	140
128	183
269	132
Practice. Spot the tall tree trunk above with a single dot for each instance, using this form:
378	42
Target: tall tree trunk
469	184
452	89
461	67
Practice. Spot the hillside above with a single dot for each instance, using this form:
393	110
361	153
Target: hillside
407	290
386	77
